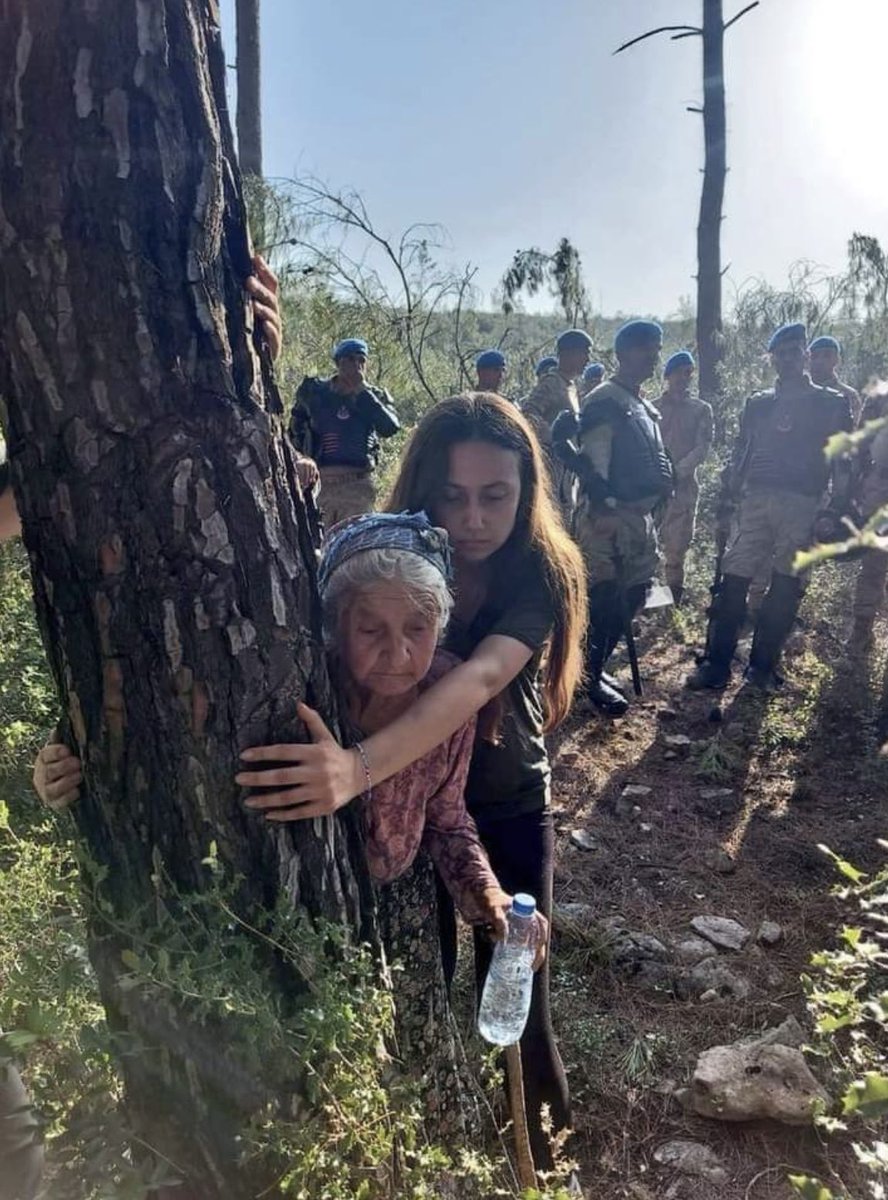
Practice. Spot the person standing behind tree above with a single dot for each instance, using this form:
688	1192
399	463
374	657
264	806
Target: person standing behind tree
778	480
686	426
490	367
825	355
871	493
555	392
624	474
338	422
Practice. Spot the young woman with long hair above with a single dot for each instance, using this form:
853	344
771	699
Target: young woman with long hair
475	466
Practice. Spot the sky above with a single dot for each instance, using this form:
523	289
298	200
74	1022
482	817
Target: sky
511	123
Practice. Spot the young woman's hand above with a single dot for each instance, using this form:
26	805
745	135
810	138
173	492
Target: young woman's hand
496	904
263	287
57	776
323	776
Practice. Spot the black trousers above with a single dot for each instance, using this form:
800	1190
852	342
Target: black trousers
521	852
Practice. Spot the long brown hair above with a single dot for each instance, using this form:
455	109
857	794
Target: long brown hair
538	535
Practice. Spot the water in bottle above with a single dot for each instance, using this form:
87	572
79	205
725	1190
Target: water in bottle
505	1001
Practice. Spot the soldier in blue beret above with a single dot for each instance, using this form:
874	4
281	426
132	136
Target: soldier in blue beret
490	366
777	484
616	451
686	425
338	422
825	357
592	376
556	391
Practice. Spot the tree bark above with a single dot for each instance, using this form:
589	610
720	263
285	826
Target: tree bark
172	565
249	99
709	271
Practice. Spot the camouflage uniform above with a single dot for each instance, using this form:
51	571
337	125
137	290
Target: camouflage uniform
345	493
552	395
686	426
624	474
782	475
872	494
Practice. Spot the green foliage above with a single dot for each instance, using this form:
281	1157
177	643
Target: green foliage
847	995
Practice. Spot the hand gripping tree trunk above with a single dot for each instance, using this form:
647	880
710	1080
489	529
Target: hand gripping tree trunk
172	568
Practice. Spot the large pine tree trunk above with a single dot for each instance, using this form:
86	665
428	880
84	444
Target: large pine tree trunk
172	567
709	272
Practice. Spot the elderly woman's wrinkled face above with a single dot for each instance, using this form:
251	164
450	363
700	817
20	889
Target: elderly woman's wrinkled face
388	639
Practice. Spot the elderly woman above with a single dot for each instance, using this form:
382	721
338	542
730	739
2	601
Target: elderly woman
384	585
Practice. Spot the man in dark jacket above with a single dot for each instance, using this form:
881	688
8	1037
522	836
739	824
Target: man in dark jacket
778	481
338	422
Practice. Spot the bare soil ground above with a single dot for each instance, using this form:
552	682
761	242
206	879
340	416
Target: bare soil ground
806	768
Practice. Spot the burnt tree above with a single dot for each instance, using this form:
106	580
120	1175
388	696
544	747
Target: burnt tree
709	267
249	92
171	559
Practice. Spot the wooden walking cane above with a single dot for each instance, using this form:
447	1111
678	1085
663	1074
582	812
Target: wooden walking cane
526	1171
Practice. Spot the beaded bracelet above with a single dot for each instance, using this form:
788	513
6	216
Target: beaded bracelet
362	755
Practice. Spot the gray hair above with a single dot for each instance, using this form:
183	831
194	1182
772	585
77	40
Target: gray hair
389	565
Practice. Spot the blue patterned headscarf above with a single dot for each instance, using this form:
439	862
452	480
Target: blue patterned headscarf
412	532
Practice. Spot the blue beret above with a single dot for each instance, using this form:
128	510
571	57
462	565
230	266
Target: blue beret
490	358
681	358
593	371
826	343
794	332
636	333
544	365
573	339
350	346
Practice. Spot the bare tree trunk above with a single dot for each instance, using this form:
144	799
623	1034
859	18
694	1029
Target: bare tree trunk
709	272
172	567
249	100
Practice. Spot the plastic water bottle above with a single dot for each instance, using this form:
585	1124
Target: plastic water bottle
505	1001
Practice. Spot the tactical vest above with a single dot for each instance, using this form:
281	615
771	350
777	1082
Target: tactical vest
786	441
339	434
639	464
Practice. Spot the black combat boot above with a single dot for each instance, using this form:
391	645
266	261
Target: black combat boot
725	620
604	632
773	626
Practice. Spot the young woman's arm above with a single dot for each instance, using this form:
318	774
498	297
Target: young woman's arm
10	525
324	776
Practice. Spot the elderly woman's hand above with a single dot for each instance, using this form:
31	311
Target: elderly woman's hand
496	905
57	776
322	778
263	287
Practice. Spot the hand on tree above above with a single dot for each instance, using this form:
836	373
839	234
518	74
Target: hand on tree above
57	776
263	287
323	776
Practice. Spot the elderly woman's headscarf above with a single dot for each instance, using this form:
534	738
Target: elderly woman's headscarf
411	532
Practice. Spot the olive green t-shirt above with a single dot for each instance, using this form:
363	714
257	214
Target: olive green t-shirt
511	775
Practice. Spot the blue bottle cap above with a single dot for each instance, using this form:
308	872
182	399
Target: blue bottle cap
523	905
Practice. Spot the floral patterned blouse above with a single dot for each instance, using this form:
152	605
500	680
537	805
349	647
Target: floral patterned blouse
423	806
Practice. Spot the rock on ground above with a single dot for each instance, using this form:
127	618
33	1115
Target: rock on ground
723	932
691	1158
711	978
769	933
755	1081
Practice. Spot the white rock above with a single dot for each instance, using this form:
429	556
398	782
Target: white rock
583	840
769	933
692	1158
678	741
693	949
751	1082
